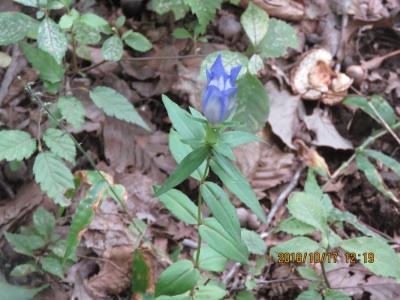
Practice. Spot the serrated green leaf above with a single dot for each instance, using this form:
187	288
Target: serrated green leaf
295	227
137	41
211	260
256	64
253	104
384	159
140	273
52	39
309	295
221	208
280	36
86	34
177	279
14	27
308	210
255	23
254	242
386	261
178	7
236	183
204	10
236	138
221	241
180	206
72	110
335	295
25	244
230	60
60	143
52	265
44	63
16	145
295	245
116	105
17	292
44	222
24	269
308	273
209	292
373	176
112	48
186	167
181	33
53	176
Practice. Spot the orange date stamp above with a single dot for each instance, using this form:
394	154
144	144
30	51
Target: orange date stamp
322	257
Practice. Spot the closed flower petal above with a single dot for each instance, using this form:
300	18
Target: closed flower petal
219	98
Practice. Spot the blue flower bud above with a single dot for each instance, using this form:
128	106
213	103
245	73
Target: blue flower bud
219	98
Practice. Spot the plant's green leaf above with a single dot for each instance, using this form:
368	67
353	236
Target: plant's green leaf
256	64
253	104
184	123
236	183
59	248
53	4
245	295
295	245
312	188
308	273
141	277
186	167
224	149
66	22
179	151
309	295
180	206
93	20
254	242
230	60
72	110
25	244
116	105
30	3
221	241
16	145
120	22
66	3
280	36
221	208
112	48
14	27
185	296
53	176
44	63
44	222
204	10
335	295
86	34
60	143
17	292
379	103
236	138
52	39
178	278
308	210
384	159
211	260
373	176
209	292
181	33
52	265
24	269
255	23
386	261
295	227
178	7
137	41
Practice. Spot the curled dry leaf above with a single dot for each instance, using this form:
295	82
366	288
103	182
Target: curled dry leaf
311	158
283	9
314	79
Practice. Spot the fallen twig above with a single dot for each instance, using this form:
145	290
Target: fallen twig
12	70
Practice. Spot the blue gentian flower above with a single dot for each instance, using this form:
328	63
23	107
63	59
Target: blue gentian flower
219	98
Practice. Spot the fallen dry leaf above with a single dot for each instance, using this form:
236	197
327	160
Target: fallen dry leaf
325	132
283	9
311	158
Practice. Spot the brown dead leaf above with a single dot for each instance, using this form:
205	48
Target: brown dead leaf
114	275
325	132
283	116
311	158
283	9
